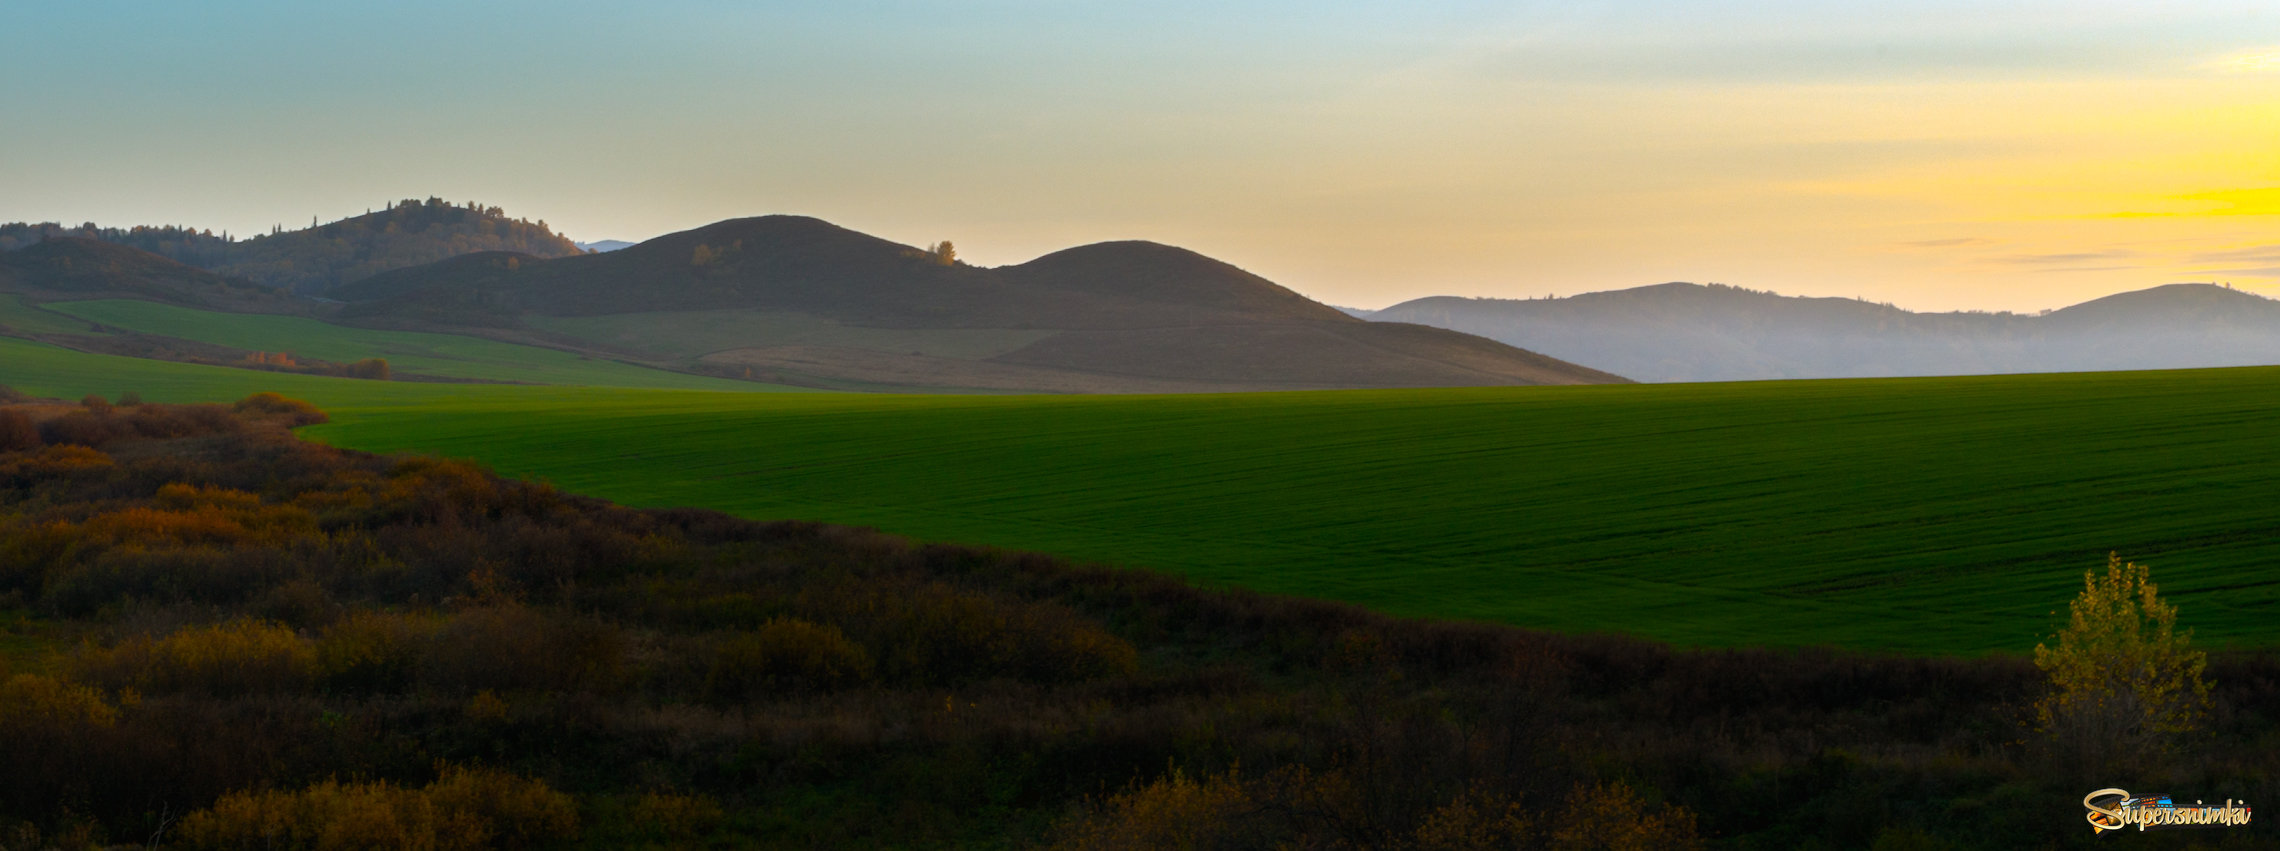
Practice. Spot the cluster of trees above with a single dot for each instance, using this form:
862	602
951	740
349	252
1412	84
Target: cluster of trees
376	369
315	260
221	636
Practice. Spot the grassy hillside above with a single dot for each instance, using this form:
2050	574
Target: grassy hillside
1932	515
44	370
694	334
21	317
442	355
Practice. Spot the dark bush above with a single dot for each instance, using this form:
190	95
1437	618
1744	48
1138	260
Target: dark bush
375	369
158	421
295	411
17	432
95	403
187	574
369	652
938	634
511	648
85	428
784	656
10	394
130	399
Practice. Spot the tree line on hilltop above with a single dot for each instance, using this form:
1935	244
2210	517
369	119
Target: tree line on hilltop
316	259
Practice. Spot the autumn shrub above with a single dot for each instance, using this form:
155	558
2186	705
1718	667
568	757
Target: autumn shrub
512	812
675	818
95	403
432	490
375	369
10	395
1474	821
368	651
35	702
220	517
222	660
511	647
326	815
69	463
48	730
130	399
17	432
1174	811
294	411
784	655
1612	817
465	809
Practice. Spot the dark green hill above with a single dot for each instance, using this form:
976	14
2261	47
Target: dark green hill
72	268
321	257
1168	277
827	304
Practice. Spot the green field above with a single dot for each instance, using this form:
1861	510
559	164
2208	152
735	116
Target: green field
21	317
440	355
1929	515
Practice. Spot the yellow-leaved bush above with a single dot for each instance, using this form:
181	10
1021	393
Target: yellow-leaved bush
464	809
2123	681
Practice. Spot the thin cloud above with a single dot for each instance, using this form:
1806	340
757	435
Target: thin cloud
2082	257
2265	272
2257	254
1945	243
2089	269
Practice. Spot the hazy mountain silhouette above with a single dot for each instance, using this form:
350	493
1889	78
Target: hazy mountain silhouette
1689	332
1117	316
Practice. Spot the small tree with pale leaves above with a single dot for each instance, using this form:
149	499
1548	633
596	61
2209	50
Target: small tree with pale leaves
2123	681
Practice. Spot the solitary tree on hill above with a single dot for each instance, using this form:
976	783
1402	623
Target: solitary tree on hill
943	252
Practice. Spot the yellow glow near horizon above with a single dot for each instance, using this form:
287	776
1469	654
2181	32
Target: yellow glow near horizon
2250	62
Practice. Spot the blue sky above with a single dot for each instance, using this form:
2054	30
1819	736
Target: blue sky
1939	155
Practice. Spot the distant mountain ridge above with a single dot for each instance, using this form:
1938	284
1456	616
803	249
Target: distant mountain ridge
1691	332
314	260
831	302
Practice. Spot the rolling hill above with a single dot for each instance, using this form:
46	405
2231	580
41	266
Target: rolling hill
315	259
101	297
863	311
72	268
1689	332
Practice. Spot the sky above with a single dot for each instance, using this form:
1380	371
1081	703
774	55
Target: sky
1936	154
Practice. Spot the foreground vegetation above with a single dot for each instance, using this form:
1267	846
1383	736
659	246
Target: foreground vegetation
224	637
1927	515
